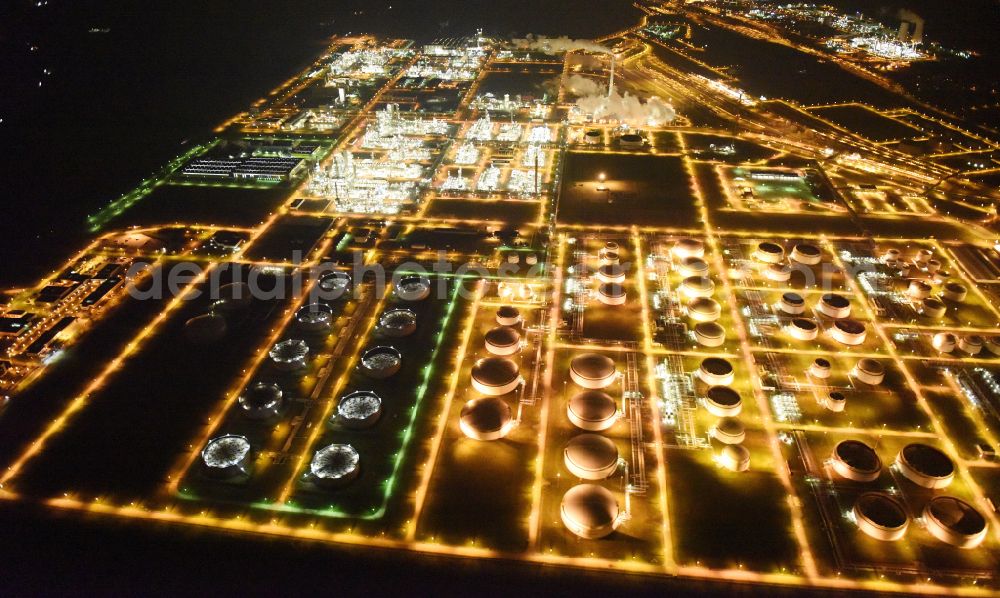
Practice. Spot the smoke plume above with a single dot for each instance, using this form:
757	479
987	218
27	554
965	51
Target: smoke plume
583	86
628	109
555	45
909	15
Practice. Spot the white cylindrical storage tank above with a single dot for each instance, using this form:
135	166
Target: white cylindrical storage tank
609	246
226	457
891	255
591	456
922	256
940	277
716	371
334	466
697	286
687	247
769	253
777	272
803	329
413	288
722	401
932	308
611	273
856	461
495	376
289	355
381	362
925	466
704	309
933	266
205	329
486	418
944	342
954	521
593	137
334	285
918	290
709	334
971	344
728	430
611	293
821	368
792	304
992	344
870	371
834	306
806	254
593	370
589	511
260	401
693	266
358	410
531	259
397	323
835	401
610	258
508	315
881	516
735	457
503	340
954	291
592	410
315	317
849	332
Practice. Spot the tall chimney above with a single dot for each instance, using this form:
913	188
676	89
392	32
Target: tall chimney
918	32
611	81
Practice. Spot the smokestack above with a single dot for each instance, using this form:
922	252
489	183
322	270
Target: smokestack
918	32
611	81
904	32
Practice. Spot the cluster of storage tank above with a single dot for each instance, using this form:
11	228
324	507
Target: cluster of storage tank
229	457
697	288
885	517
588	509
489	417
721	400
832	306
610	275
968	344
867	370
338	464
776	266
291	355
923	272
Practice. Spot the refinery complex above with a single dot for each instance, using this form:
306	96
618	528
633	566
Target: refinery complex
578	303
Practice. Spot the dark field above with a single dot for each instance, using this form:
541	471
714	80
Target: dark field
221	206
867	123
642	189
